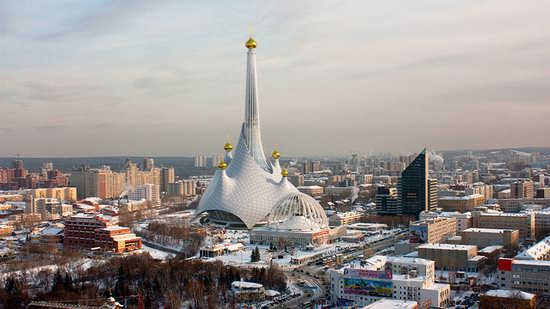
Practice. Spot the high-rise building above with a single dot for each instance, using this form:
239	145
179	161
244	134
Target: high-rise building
415	191
167	176
200	161
149	192
216	160
386	201
522	189
148	164
97	182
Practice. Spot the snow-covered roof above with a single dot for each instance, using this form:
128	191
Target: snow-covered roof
447	246
537	251
52	231
245	284
509	294
461	198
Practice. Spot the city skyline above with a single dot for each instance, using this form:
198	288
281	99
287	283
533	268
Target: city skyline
96	80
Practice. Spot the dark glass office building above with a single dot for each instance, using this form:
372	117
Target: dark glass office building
415	192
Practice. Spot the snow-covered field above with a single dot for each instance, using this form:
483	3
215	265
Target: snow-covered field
157	254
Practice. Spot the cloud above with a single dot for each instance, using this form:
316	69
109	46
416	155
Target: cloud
363	75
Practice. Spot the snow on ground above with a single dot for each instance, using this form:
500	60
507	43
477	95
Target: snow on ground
157	254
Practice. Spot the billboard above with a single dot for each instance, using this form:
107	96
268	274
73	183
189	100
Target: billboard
364	273
418	234
369	287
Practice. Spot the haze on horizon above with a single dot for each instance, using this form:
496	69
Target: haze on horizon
102	78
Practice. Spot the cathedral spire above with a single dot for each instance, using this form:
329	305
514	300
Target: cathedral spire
251	126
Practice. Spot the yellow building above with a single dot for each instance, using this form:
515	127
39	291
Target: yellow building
461	203
62	194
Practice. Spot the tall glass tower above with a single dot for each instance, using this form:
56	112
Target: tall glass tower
414	190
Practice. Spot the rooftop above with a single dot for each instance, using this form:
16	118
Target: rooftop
447	247
482	230
461	198
510	294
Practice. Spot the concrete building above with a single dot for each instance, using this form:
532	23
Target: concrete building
523	222
498	299
515	204
311	190
482	238
117	239
216	160
382	277
522	189
524	275
345	218
200	161
51	209
463	220
461	203
148	164
97	182
167	176
148	192
539	251
452	257
385	303
63	194
91	231
435	230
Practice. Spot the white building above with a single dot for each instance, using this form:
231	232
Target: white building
402	278
392	304
148	192
247	186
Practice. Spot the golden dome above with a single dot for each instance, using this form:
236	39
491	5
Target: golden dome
251	43
222	165
284	172
228	146
276	154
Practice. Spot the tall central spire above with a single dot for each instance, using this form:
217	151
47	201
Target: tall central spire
251	126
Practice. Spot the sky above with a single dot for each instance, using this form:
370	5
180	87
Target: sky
166	78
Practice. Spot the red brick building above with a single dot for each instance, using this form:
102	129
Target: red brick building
117	239
86	231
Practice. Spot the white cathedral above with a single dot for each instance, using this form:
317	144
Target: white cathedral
247	187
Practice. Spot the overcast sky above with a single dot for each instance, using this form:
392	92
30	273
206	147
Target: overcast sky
166	78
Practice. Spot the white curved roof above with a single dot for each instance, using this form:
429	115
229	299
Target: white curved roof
298	212
245	189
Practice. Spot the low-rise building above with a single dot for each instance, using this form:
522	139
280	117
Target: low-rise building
539	251
497	299
523	222
117	239
525	275
247	291
482	238
311	190
435	230
460	203
463	220
392	304
452	257
345	218
86	231
382	277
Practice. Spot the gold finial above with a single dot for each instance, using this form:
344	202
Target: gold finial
228	146
276	154
284	172
251	43
222	165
